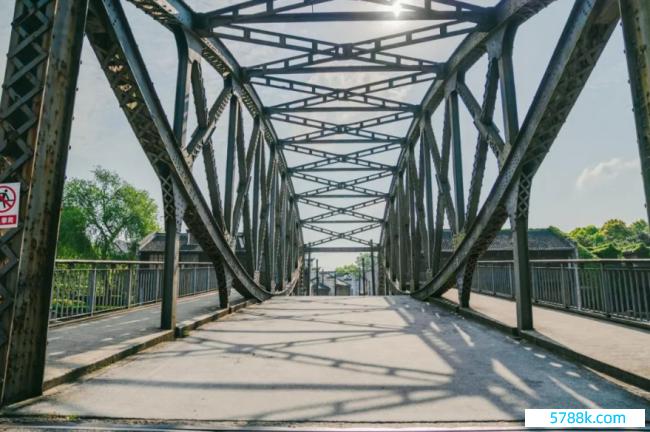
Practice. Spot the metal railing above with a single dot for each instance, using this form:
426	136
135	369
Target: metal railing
86	288
614	288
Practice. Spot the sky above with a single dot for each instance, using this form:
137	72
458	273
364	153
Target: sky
591	174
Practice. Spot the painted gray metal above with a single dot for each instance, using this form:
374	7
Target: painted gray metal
36	112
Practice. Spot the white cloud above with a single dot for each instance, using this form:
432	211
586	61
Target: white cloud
605	172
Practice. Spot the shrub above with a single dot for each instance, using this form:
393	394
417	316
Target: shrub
609	251
640	250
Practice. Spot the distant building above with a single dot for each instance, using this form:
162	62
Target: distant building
325	285
543	244
152	248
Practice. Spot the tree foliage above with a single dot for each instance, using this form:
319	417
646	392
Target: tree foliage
610	240
74	243
98	216
609	251
350	268
365	259
362	261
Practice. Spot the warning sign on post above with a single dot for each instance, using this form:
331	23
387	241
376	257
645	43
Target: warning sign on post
9	205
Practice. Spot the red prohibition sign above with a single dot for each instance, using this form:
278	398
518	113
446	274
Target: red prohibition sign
7	198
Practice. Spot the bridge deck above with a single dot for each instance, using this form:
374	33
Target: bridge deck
390	359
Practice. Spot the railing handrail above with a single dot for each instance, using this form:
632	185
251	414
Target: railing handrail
575	261
76	261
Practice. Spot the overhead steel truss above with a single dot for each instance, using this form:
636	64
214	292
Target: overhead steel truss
260	205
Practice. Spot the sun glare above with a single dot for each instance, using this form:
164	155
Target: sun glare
397	8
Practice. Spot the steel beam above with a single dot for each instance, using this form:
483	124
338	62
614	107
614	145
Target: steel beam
635	17
471	49
346	249
587	31
36	111
176	13
211	20
459	188
435	69
115	47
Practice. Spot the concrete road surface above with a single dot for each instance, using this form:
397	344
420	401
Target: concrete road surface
359	359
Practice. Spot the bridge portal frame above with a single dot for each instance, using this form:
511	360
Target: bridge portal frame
36	117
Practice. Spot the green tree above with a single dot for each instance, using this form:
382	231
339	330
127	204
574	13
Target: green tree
74	243
589	236
640	232
365	258
357	266
107	210
616	232
609	251
350	268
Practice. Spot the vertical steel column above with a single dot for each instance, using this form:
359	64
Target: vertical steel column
416	249
270	259
381	272
437	244
231	154
635	17
372	267
282	232
36	112
459	189
523	285
170	273
317	281
363	277
308	272
517	208
394	221
403	230
508	89
258	169
172	205
428	187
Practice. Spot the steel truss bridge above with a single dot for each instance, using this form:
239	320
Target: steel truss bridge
261	198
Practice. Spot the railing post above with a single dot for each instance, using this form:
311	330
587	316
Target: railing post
511	283
129	289
92	289
565	293
139	283
494	289
576	273
194	280
605	291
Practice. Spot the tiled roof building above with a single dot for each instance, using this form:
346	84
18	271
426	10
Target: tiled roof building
543	244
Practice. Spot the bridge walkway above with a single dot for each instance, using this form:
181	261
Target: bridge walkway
333	359
618	345
79	344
